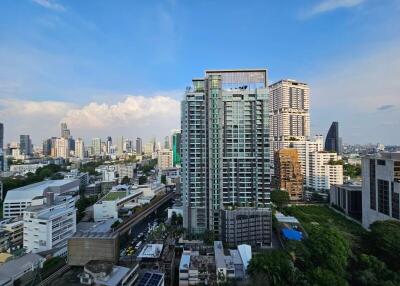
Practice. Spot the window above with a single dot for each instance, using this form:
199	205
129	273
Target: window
372	184
383	197
381	162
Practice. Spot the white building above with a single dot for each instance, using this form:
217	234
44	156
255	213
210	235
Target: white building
109	206
79	148
18	199
126	170
18	268
96	145
289	108
325	170
48	223
149	148
381	188
165	159
25	168
61	148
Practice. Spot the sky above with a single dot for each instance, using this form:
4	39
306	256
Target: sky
121	67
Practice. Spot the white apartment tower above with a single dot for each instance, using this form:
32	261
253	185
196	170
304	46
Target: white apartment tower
96	145
289	110
79	148
61	148
165	159
326	169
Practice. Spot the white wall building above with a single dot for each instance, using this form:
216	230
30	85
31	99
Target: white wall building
79	148
381	188
61	148
49	223
25	168
325	171
18	199
126	170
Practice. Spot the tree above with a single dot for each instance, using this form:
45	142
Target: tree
208	237
275	266
325	277
280	198
384	242
352	171
142	180
328	249
115	224
125	180
164	179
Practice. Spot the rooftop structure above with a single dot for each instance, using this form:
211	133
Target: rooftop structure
152	279
151	251
19	267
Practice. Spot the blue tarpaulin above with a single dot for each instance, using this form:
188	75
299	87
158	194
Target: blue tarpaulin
292	234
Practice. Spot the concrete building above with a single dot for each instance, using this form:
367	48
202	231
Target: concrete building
225	146
109	206
79	149
289	108
120	146
165	159
347	198
93	241
326	169
61	148
126	170
97	272
19	271
65	132
251	226
25	145
288	173
48	223
18	199
152	279
96	145
196	269
139	146
25	168
14	228
149	148
380	188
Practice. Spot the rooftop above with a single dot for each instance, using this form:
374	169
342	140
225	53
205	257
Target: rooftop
151	279
15	266
151	251
113	196
100	227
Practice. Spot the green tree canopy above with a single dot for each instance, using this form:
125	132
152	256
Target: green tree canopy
280	198
385	242
125	180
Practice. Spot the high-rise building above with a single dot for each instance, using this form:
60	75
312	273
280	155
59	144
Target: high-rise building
79	148
25	145
128	146
289	110
332	140
165	159
109	144
96	144
226	150
61	148
139	146
149	148
120	146
176	147
1	135
167	144
47	147
65	132
380	188
288	173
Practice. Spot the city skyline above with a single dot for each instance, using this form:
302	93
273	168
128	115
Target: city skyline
131	85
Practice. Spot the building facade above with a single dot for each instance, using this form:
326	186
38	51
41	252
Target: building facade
326	169
139	146
176	147
79	148
165	159
381	188
49	224
348	198
25	145
225	146
288	173
332	140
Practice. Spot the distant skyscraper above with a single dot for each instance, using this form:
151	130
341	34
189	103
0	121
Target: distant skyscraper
96	144
61	148
288	172
289	110
332	141
139	146
167	144
1	136
47	144
120	146
65	132
225	153
176	147
79	148
25	145
109	144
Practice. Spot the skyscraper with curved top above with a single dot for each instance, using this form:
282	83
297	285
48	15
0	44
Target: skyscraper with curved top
332	141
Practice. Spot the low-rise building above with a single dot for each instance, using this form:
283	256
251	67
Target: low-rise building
247	226
165	159
20	269
24	169
195	269
348	199
126	170
105	273
17	200
152	279
93	241
15	229
326	169
48	223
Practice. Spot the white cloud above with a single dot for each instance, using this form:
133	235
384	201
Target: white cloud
134	116
330	5
50	4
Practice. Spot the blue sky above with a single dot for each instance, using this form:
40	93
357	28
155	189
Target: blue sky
120	67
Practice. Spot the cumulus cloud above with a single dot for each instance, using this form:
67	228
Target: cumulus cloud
330	5
133	116
50	4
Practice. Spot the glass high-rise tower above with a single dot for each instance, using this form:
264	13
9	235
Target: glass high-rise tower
332	140
225	154
176	148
